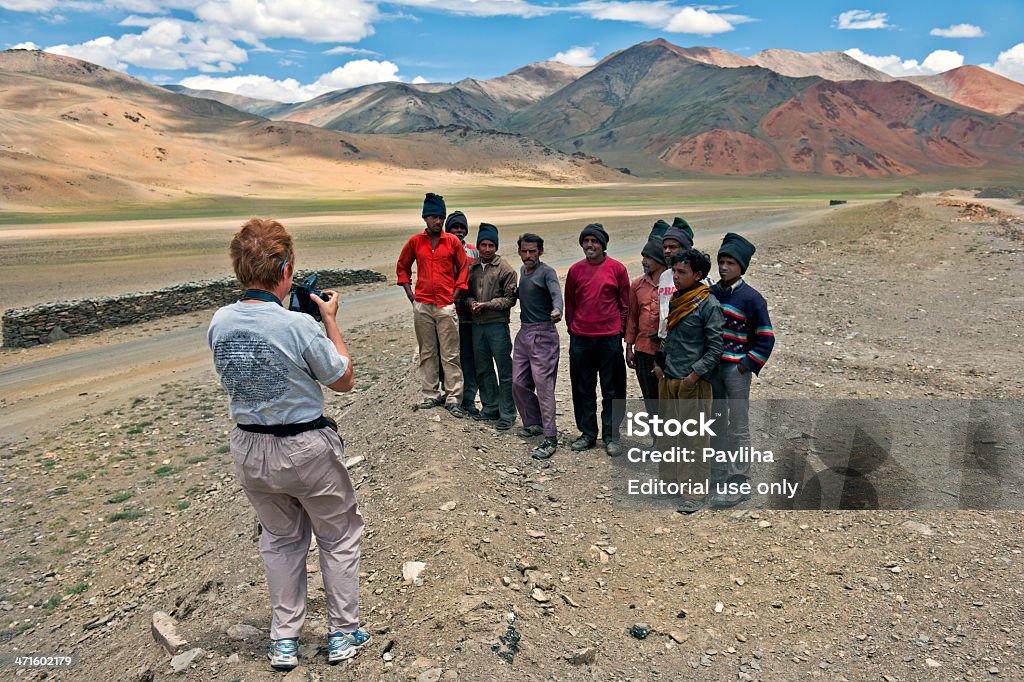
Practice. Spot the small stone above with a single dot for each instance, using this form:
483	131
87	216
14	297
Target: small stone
583	656
536	534
296	675
411	570
896	569
640	630
181	662
922	528
676	637
539	596
764	524
388	656
932	663
741	638
448	506
165	632
232	659
354	461
241	631
719	607
431	675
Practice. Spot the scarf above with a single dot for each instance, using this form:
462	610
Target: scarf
683	303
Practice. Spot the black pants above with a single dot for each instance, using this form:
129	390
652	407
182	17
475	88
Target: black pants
648	382
590	358
466	358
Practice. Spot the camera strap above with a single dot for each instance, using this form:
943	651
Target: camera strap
260	295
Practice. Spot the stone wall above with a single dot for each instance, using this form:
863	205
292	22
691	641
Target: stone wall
50	322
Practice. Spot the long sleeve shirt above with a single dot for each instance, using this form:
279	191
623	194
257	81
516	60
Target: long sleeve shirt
695	343
642	319
539	294
494	286
597	298
440	270
465	315
748	335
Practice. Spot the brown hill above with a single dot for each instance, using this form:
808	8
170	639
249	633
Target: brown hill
76	133
403	107
977	88
652	103
833	66
261	107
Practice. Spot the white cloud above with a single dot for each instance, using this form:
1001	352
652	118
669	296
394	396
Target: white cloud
576	56
315	21
862	19
25	46
419	80
661	15
480	8
28	5
958	31
351	75
936	62
344	49
1010	63
690	20
167	44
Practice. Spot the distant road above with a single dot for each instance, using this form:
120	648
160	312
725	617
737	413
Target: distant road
43	394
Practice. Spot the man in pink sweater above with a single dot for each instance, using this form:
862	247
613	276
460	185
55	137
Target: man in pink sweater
596	304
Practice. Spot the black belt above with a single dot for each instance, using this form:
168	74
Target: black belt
284	430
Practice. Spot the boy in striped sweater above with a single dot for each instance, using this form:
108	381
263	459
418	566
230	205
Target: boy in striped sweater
749	339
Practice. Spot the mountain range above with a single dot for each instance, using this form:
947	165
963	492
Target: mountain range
77	132
656	107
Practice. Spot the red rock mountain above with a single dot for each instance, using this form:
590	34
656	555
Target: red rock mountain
977	88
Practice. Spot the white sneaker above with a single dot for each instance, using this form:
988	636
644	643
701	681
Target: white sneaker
283	653
343	646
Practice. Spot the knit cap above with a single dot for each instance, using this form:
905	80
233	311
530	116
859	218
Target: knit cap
678	235
456	218
597	231
433	204
487	232
658	231
652	249
737	247
681	224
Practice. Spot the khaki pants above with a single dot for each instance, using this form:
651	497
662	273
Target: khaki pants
680	401
437	331
299	485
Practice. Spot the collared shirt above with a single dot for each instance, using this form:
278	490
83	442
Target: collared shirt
642	320
440	271
731	289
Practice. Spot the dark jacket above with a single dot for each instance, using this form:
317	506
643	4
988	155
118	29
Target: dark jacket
695	344
494	284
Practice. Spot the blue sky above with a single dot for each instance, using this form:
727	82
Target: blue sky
292	50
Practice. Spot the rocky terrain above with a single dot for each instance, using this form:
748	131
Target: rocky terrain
129	507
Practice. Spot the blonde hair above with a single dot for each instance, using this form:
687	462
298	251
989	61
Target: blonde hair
259	252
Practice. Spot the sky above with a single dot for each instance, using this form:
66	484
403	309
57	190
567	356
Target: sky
293	50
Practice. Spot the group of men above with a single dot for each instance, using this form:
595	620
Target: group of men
688	342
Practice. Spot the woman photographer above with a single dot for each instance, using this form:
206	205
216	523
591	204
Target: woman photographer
288	458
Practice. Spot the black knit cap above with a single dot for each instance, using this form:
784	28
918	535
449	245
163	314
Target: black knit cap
488	232
597	231
652	249
681	224
456	218
433	204
658	231
737	247
680	236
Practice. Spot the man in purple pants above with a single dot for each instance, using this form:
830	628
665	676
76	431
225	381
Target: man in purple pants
535	357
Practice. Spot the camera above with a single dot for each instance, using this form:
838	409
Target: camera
300	299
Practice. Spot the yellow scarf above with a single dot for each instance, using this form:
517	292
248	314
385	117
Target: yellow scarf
683	303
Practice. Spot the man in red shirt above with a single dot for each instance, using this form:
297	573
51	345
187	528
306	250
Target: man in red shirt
596	304
442	274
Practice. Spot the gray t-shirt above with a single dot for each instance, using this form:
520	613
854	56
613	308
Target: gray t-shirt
269	360
539	294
